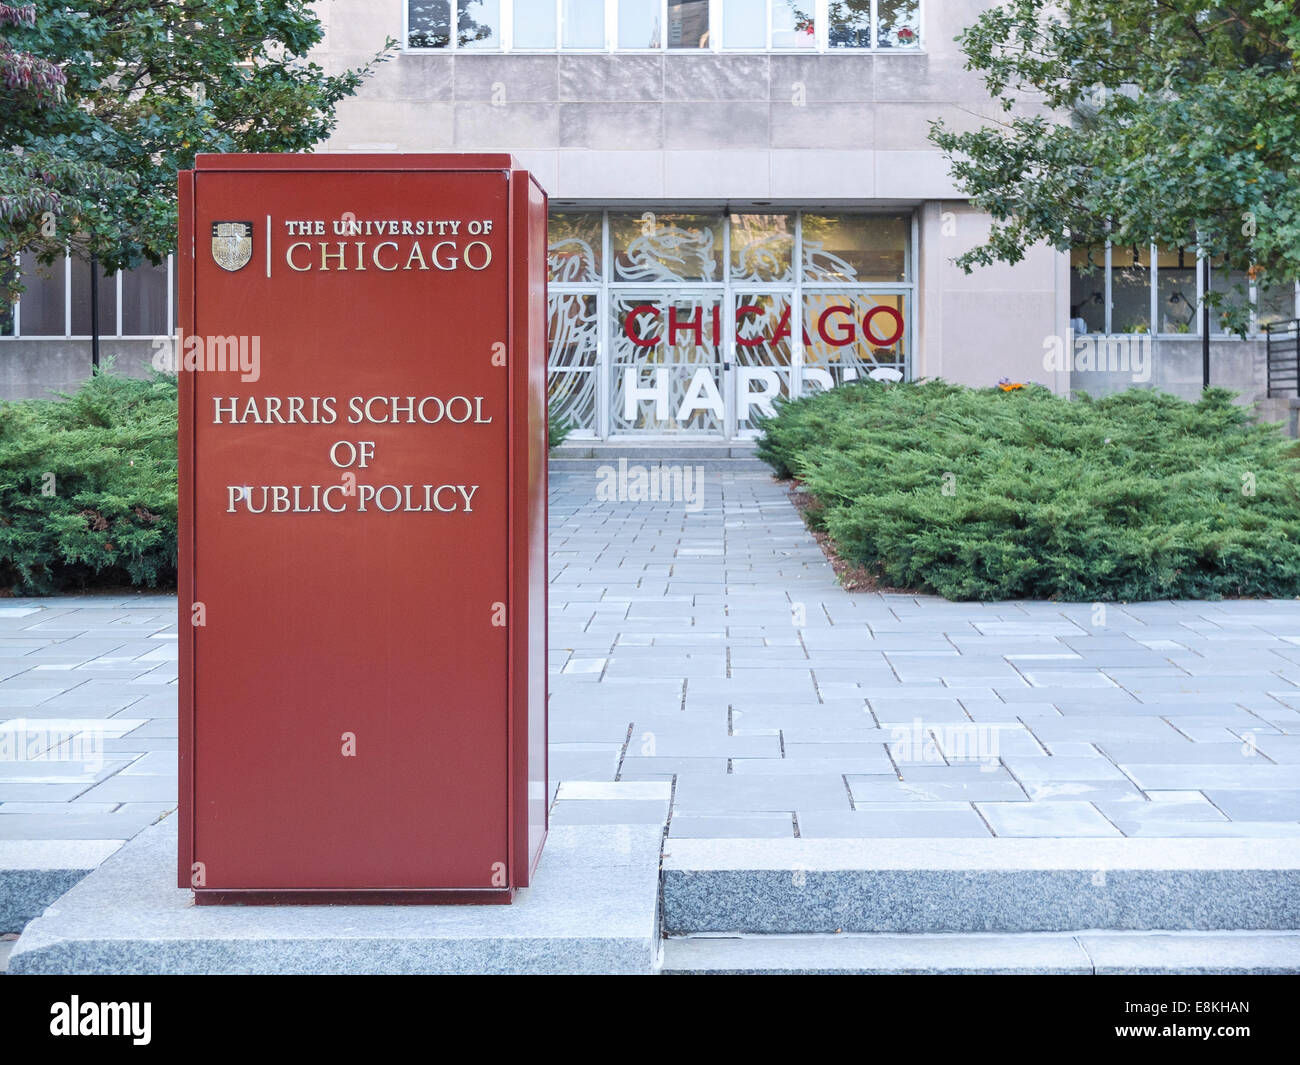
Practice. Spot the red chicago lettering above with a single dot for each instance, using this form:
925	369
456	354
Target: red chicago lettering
846	335
695	326
629	325
884	342
742	312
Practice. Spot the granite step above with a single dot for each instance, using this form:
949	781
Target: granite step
1097	953
653	450
33	873
935	886
589	455
594	467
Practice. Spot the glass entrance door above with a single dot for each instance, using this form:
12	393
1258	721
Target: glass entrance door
693	323
667	373
763	356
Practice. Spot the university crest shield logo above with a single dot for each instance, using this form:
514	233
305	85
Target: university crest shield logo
232	244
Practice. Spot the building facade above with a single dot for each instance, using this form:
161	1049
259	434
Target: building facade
745	202
745	205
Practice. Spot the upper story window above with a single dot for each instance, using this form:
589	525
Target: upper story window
477	24
659	25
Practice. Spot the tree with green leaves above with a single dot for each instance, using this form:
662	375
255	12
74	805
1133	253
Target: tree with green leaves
103	101
1168	122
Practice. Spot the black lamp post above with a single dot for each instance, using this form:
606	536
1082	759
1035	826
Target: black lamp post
1205	323
94	314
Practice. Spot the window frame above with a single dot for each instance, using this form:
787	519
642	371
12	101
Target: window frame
117	334
507	33
1252	290
717	46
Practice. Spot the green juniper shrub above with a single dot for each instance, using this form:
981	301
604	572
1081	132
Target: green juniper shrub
988	494
557	431
88	487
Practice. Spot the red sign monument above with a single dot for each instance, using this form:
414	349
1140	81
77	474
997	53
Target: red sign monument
363	528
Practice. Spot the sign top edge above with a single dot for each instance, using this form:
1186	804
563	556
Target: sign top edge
359	161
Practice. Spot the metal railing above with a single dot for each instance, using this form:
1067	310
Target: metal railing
1282	342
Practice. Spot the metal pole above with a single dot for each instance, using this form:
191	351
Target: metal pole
1205	323
94	314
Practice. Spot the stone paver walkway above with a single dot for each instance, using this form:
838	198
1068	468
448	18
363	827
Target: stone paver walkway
712	647
708	648
87	716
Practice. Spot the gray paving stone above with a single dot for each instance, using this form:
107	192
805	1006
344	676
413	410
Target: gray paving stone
140	788
756	792
796	750
636	767
1176	753
153	763
1073	749
1251	774
1278	748
1216	733
1080	790
40	792
615	812
985	741
736	826
1052	770
1218	684
1046	818
74	704
1093	729
894	710
83	771
868	823
71	824
55	807
868	790
1263	805
162	728
608	729
1187	806
997	712
156	810
667	745
818	729
1092	703
947	773
803	767
1233	718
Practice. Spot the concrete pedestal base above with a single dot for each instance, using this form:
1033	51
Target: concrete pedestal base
592	909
